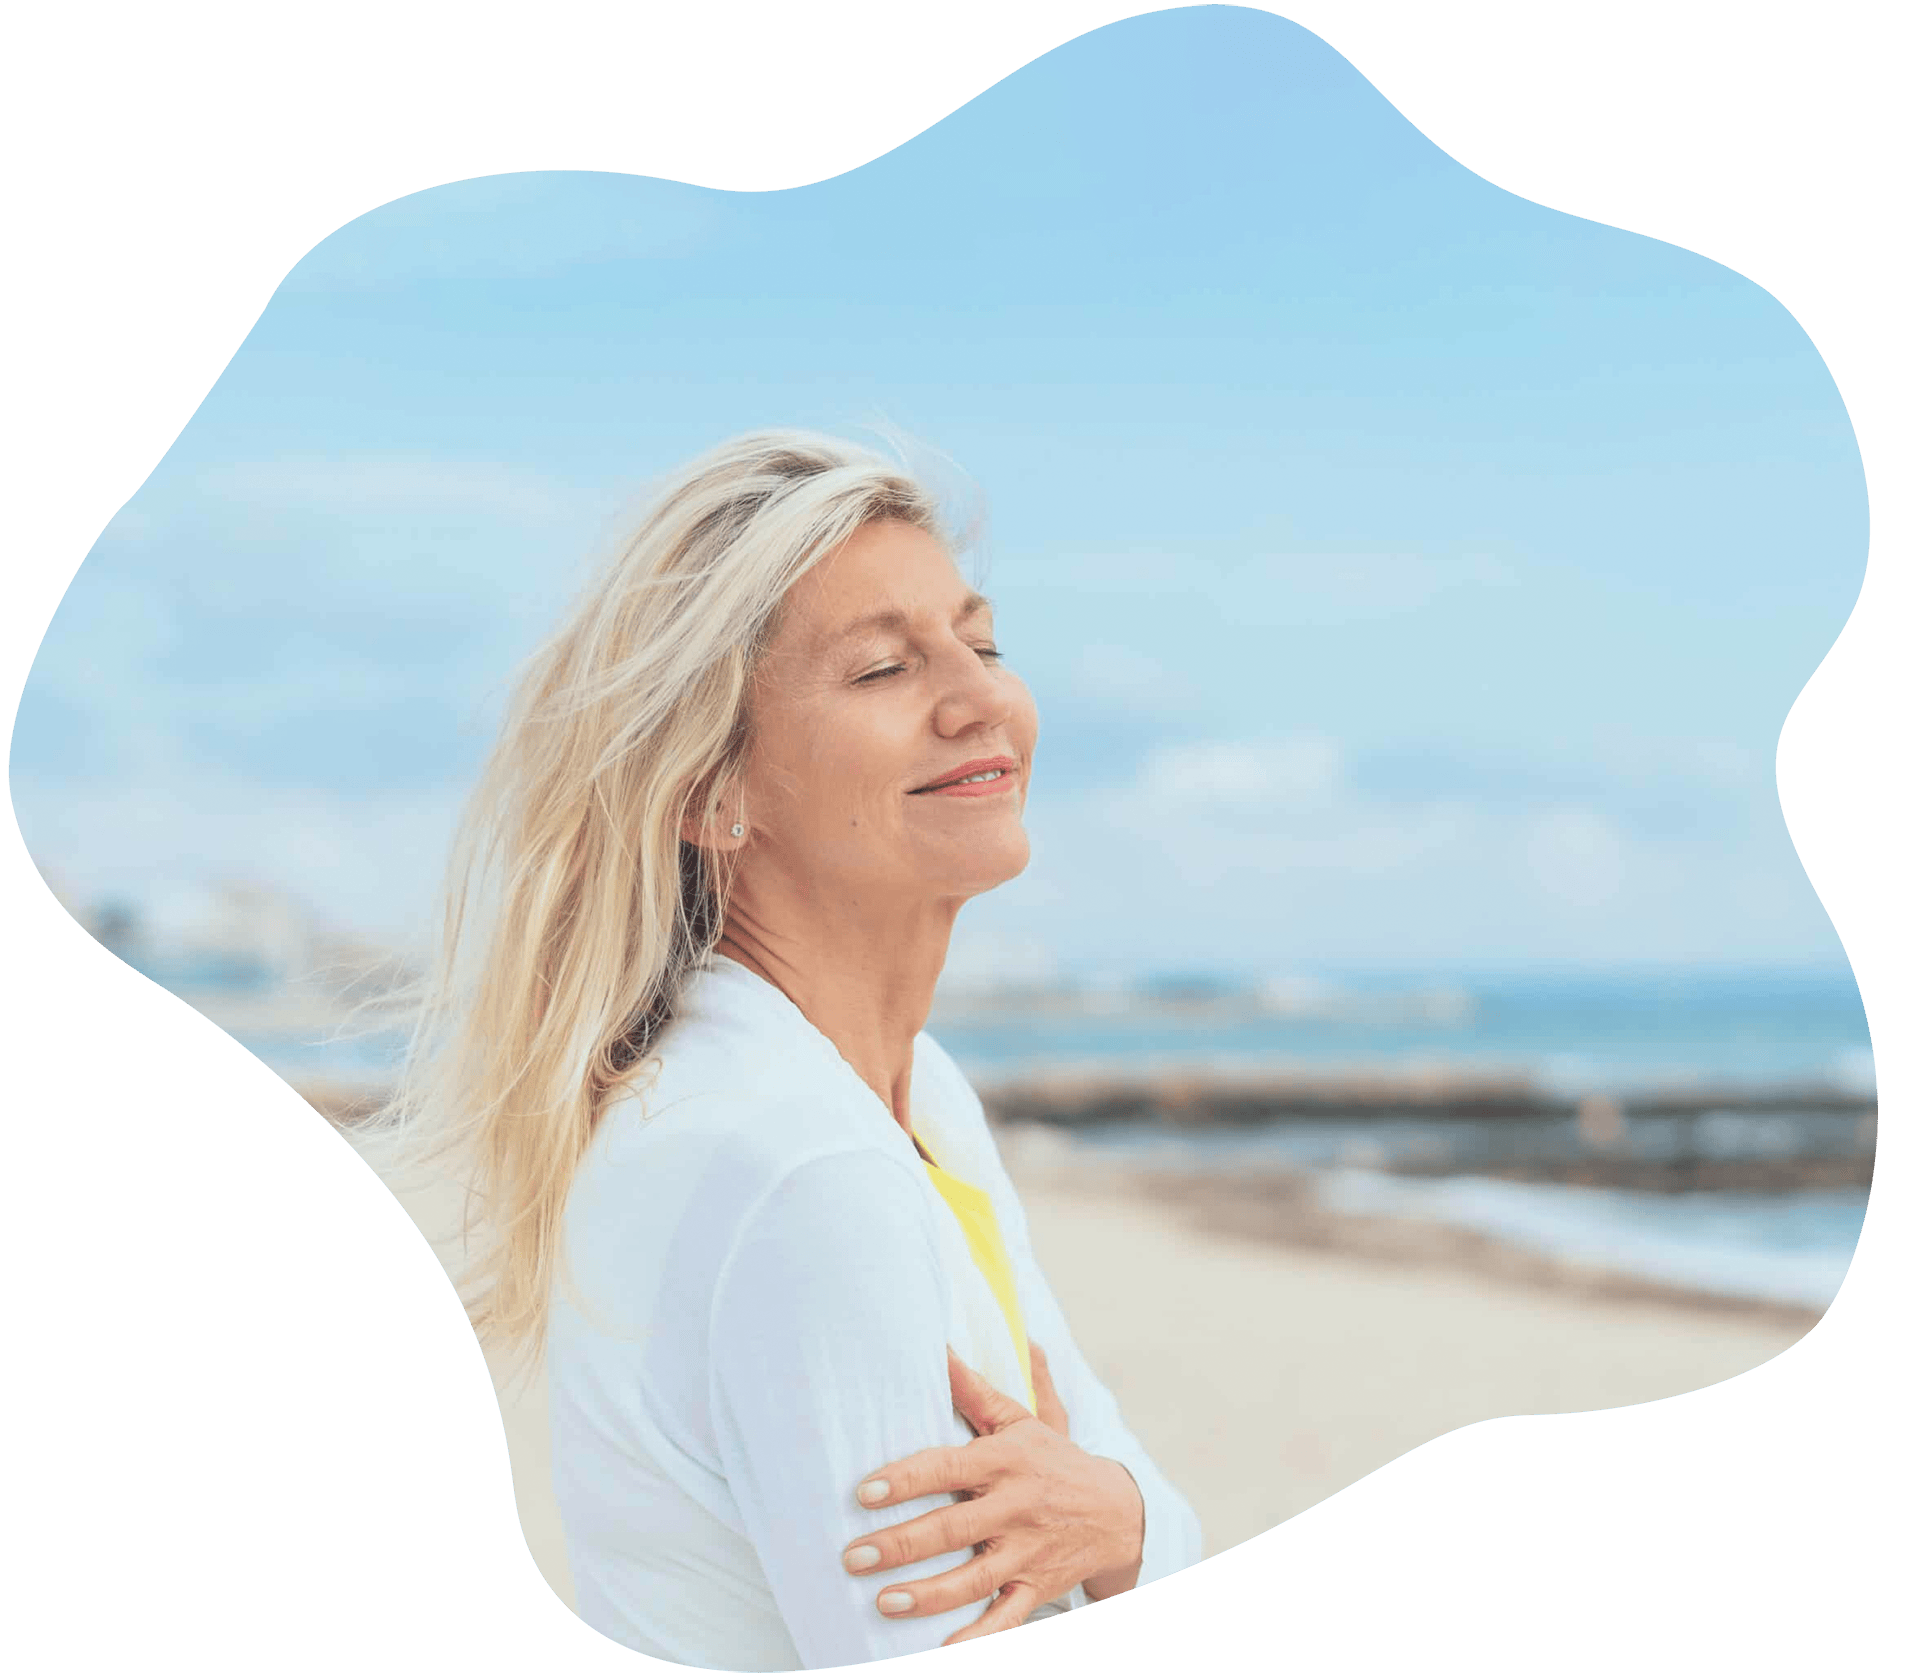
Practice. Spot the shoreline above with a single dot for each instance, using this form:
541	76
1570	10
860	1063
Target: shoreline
1278	1208
1396	1242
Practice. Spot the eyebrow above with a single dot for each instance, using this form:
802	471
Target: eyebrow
894	618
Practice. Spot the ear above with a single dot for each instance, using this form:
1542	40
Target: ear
716	832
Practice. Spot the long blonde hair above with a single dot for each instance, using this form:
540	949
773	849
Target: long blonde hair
573	908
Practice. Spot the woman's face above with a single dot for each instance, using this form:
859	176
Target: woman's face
881	681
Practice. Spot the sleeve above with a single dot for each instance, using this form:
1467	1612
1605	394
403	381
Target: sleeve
1172	1538
828	1359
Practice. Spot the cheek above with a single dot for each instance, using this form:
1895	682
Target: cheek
793	772
1026	716
849	765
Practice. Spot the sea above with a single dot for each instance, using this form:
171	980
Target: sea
1576	1034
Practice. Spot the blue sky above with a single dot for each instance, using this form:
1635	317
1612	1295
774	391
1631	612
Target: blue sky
1408	575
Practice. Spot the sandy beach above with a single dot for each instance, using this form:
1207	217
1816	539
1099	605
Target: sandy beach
1332	1344
1331	1357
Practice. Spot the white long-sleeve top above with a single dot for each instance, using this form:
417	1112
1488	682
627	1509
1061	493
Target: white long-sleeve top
762	1285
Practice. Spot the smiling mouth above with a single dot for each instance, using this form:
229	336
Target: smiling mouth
979	777
967	780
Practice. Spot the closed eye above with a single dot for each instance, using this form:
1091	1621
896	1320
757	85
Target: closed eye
990	653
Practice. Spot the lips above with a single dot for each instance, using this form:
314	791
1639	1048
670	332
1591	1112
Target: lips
979	765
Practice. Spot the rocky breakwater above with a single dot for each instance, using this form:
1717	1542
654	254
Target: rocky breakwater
1767	1138
1226	1097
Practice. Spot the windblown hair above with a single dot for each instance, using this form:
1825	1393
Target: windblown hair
573	907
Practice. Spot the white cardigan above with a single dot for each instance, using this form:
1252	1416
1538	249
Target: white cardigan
763	1285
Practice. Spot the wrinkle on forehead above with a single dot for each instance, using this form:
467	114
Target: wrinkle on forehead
894	617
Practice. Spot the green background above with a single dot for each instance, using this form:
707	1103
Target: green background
256	1432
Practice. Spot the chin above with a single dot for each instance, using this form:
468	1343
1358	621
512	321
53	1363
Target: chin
990	865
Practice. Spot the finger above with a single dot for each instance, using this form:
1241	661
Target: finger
1009	1608
973	1580
1047	1402
1040	1373
987	1409
965	1386
944	1467
985	1406
957	1526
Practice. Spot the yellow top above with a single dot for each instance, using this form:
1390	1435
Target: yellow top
982	1228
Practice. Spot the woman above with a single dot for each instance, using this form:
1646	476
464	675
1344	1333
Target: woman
747	1207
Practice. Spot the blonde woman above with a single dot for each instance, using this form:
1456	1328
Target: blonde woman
812	1400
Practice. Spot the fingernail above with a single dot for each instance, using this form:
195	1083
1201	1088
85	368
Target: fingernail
874	1490
862	1558
895	1601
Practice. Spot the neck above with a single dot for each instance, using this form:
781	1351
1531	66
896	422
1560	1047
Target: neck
863	978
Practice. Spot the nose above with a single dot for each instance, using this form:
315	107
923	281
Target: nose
971	696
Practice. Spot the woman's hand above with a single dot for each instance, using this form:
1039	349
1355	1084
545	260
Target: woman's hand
1040	1514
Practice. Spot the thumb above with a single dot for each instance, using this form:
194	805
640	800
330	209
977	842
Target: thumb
985	1406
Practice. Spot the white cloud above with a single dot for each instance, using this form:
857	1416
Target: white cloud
1291	587
526	225
1719	765
254	602
1375	583
1730	767
1575	854
1300	772
128	626
989	955
1261	852
384	484
1130	680
368	864
132	523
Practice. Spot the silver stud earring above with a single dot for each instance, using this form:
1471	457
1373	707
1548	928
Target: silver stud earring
737	829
